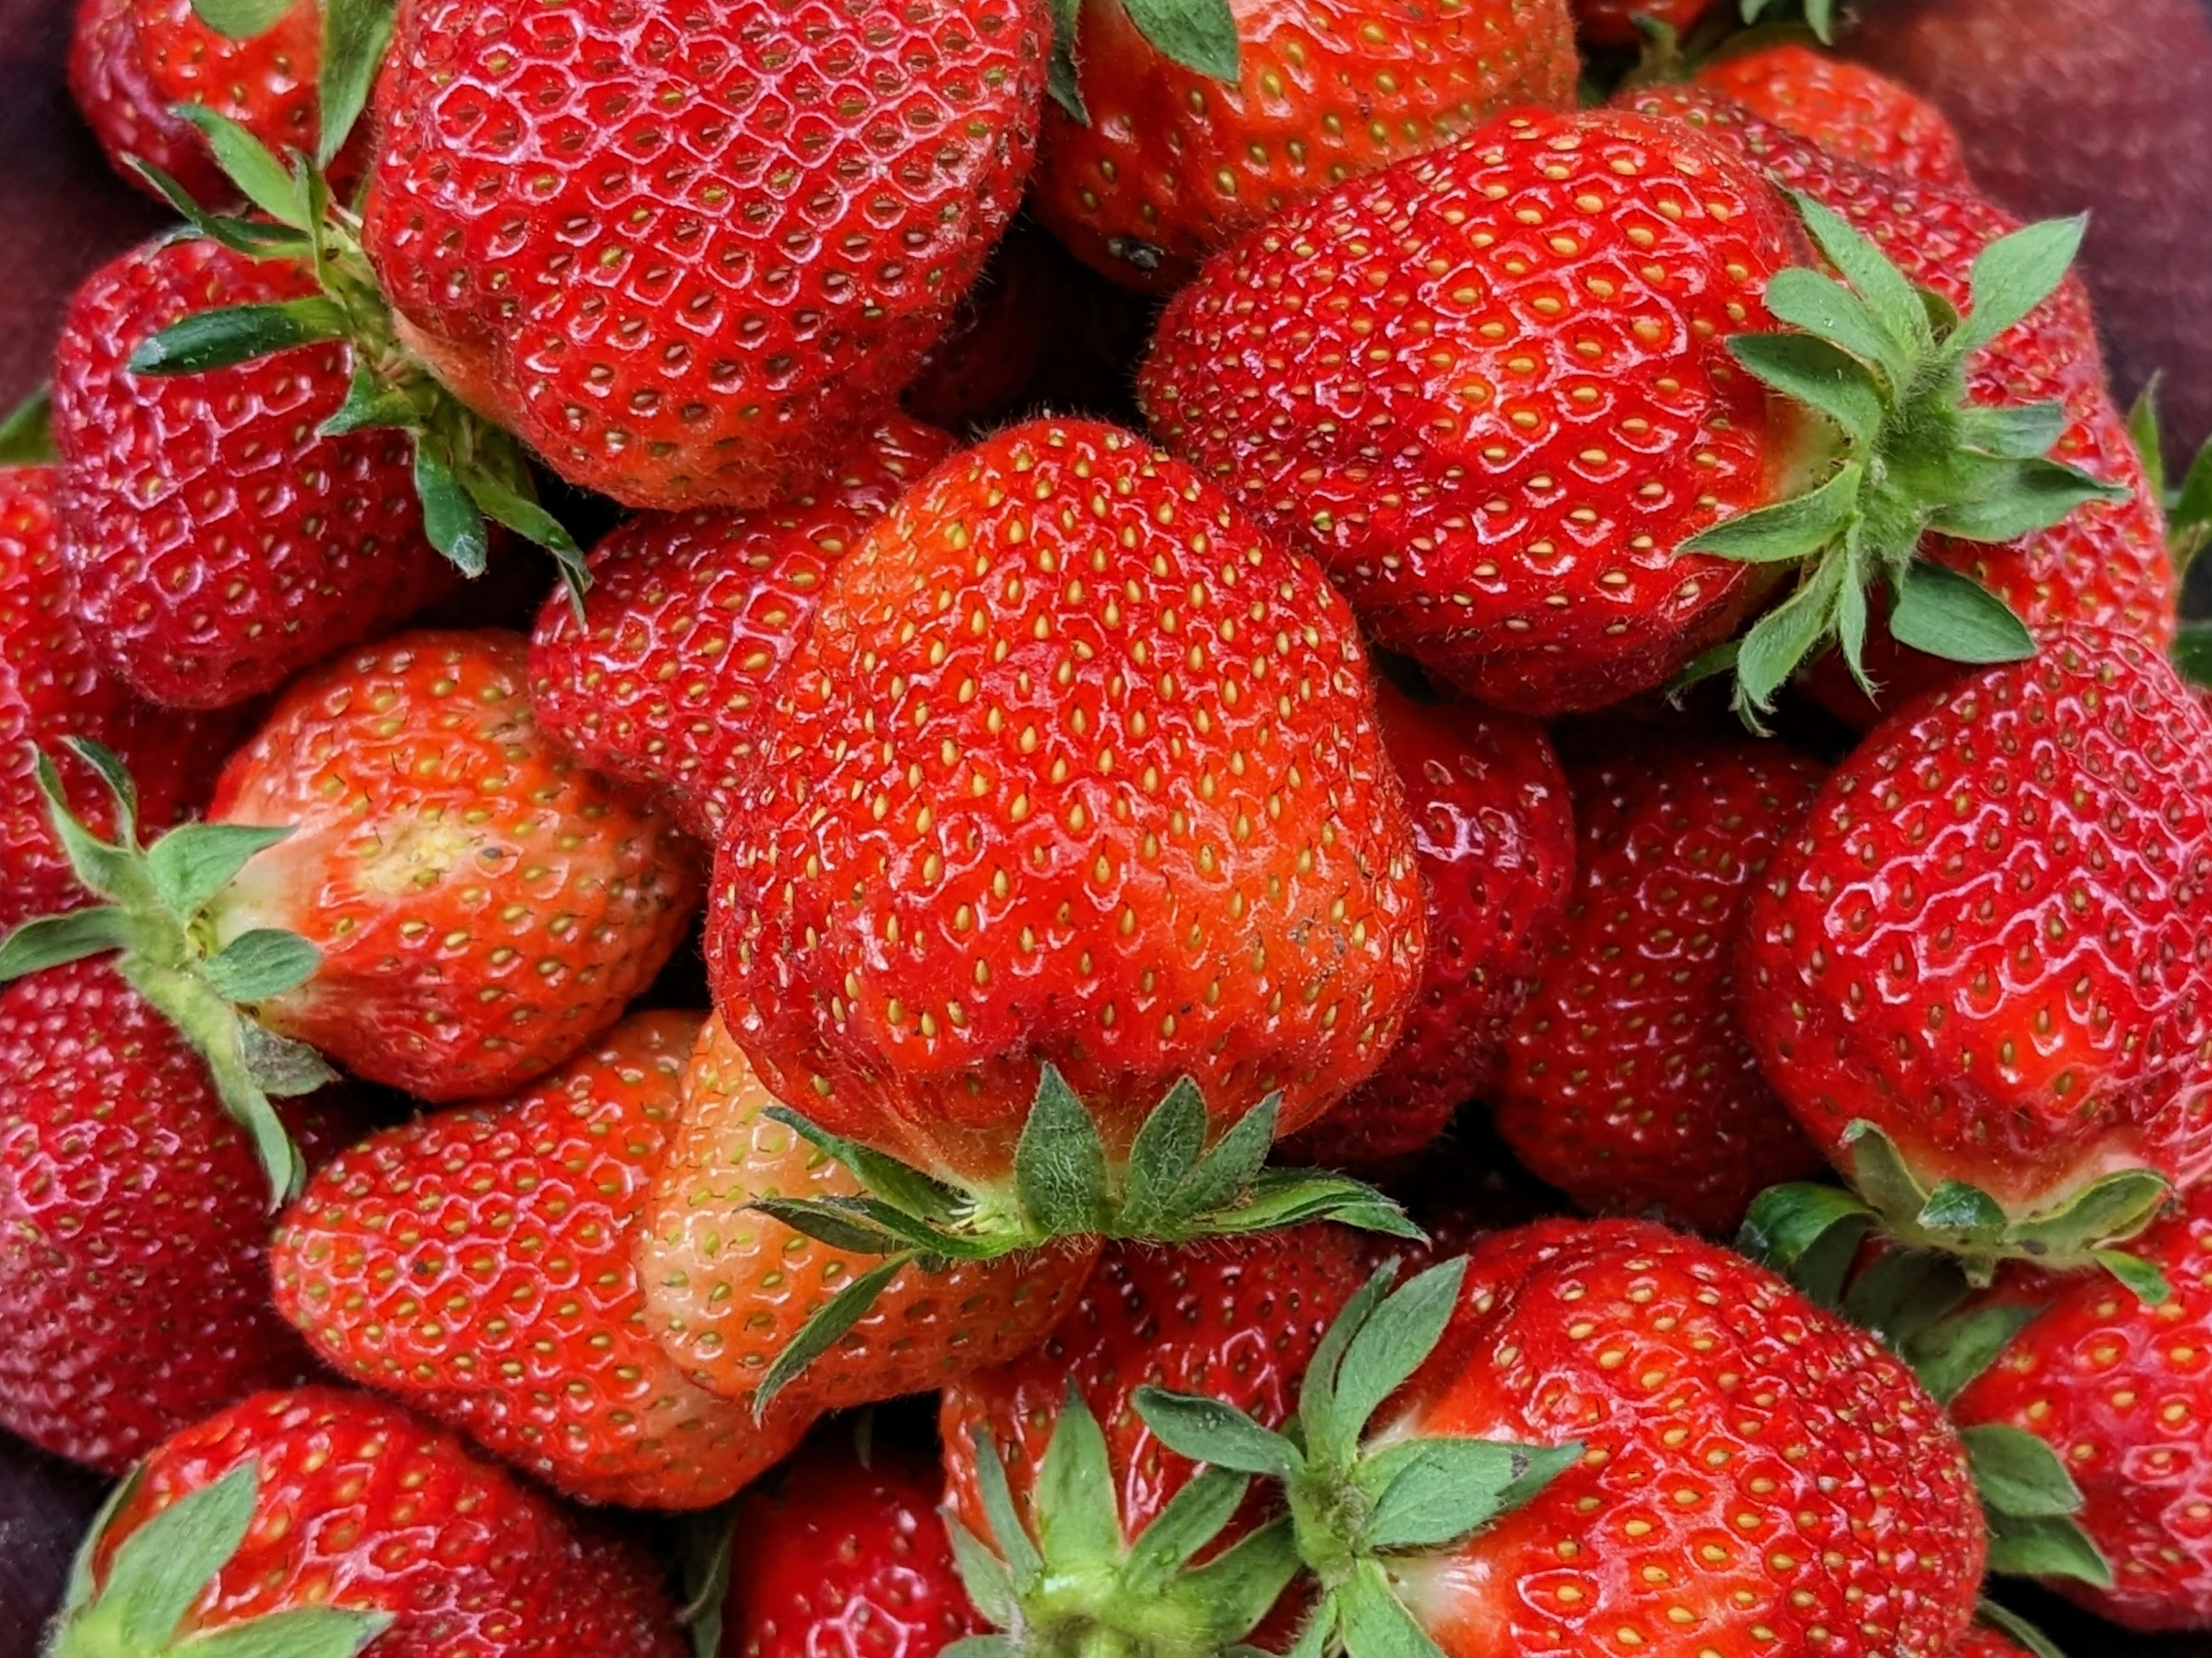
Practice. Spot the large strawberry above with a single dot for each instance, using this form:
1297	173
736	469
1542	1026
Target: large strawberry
134	1223
1076	808
1981	978
1511	394
219	542
1592	1438
668	671
1496	842
729	1288
1073	1516
478	1262
327	1522
1627	1084
1174	130
1843	106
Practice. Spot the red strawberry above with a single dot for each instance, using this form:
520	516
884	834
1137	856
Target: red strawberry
778	212
1984	1642
1627	1083
1496	843
1983	970
1614	22
265	81
130	116
1078	789
1162	148
134	1223
668	676
728	1287
477	1263
364	1529
1240	1318
1845	108
218	545
843	1556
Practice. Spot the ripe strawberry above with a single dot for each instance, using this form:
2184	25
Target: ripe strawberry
1611	1438
1056	1431
265	81
843	1556
1982	973
134	1225
1627	1083
1614	22
114	91
477	1263
218	545
325	1521
728	1287
1845	108
1077	787
1983	1641
1496	843
1160	148
668	675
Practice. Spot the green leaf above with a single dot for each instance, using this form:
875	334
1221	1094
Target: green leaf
1956	1206
240	20
1078	1525
2013	275
2017	1629
251	237
1986	499
2192	653
1023	1564
1949	1355
54	940
370	403
1952	615
1239	1587
1710	664
1431	1493
1199	34
1060	1163
1818	376
192	863
451	520
2188	522
821	1332
160	1568
894	1181
1376	1624
1781	638
1391	1345
519	511
1808	1233
2024	1548
109	869
208	340
983	1574
2021	432
1825	309
703	1545
980	1646
1209	1431
27	436
1317	1393
357	34
2018	1473
296	1633
1789	530
278	1065
1226	1173
1062	76
1545	1463
833	1222
1288	1197
77	1592
247	162
1902	1293
1320	1627
2139	1276
256	965
1165	1151
1192	1518
1891	300
2144	433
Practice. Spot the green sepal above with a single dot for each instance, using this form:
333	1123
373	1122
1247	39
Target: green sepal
1938	610
1063	75
27	436
2192	653
1059	1163
2189	513
194	861
1212	1431
1374	1622
1199	34
1820	16
357	34
1818	374
703	1543
208	340
2018	1473
1949	1355
240	20
48	941
2017	1629
2023	1547
2013	275
2022	432
881	1176
1431	1493
1808	1233
294	1633
251	165
254	238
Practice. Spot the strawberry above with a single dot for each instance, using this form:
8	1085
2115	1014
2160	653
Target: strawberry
218	544
133	1225
109	78
1621	22
668	675
477	1263
1593	1437
843	1556
729	1287
1499	391
981	367
1054	1477
325	1521
1627	1084
1496	844
1981	977
264	80
1076	806
1845	108
1168	139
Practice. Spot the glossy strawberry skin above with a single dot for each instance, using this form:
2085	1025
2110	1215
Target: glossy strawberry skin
1124	809
1628	1084
127	113
1993	937
484	905
727	1288
841	1557
404	1518
1172	164
1757	1475
218	545
1496	842
779	210
1613	22
1845	108
134	1223
1983	1642
267	83
1495	431
670	677
2119	1391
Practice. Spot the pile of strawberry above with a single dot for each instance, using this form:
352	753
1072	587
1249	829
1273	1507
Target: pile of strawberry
1629	646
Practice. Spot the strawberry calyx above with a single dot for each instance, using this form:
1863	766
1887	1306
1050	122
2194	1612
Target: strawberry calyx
1199	34
1078	1587
1362	1514
155	919
1882	365
162	1569
1172	1188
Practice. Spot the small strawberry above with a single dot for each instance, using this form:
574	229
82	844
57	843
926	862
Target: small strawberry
1496	844
134	1225
327	1522
264	80
1981	977
1501	391
729	1288
1591	1438
477	1262
1627	1083
1058	1483
667	674
1845	108
114	92
1170	135
1622	23
218	542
